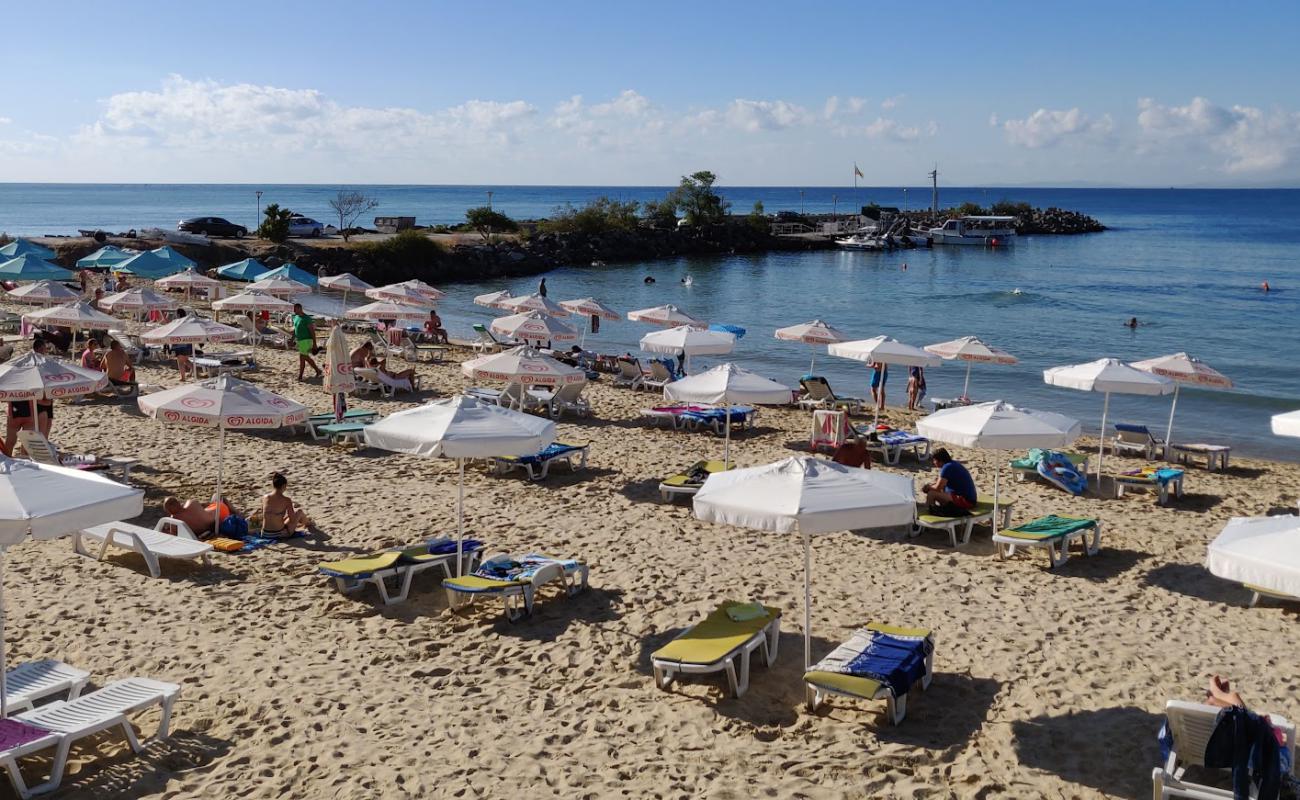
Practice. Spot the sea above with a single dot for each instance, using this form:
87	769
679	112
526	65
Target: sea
1189	264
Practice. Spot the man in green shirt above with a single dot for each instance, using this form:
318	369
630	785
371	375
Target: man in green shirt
304	334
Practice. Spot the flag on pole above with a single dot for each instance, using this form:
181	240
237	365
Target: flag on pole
857	173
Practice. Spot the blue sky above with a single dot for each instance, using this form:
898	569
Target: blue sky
1134	94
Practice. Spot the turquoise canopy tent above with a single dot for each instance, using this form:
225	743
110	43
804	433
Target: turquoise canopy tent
33	268
293	272
149	265
103	258
182	261
22	247
250	269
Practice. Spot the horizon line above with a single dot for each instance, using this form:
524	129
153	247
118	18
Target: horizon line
860	187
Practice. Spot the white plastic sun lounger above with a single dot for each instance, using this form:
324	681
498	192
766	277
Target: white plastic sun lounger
71	720
518	593
981	514
1191	725
820	684
37	680
151	544
1052	533
397	567
719	644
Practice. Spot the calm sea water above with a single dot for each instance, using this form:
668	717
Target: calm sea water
1187	263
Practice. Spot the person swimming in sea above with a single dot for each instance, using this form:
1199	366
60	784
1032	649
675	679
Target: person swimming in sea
649	279
1132	323
1265	287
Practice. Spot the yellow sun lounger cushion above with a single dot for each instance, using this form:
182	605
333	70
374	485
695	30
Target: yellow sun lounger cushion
862	687
714	638
476	583
682	479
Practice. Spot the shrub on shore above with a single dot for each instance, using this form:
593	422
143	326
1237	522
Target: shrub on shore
406	248
599	216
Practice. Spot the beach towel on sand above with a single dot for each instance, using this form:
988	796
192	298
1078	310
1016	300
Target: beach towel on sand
896	661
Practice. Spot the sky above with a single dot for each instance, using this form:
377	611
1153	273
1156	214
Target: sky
1158	93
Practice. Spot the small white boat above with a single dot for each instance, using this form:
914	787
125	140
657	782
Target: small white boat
862	241
984	231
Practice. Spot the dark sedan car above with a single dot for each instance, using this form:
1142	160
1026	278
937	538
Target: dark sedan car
211	226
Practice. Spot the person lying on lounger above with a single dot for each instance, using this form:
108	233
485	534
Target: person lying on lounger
407	375
194	513
953	493
280	517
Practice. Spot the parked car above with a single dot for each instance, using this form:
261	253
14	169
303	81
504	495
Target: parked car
305	226
211	226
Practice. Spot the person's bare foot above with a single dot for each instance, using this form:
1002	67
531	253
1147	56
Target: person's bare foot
1221	694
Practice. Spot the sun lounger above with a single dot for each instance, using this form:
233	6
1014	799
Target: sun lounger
151	543
1215	455
1259	593
485	342
1027	467
1162	480
715	419
218	363
891	444
565	398
671	414
829	428
720	643
659	376
1137	439
817	393
37	680
313	423
374	380
688	481
343	432
539	465
43	451
878	662
516	581
68	721
1055	534
1190	726
401	565
631	374
981	514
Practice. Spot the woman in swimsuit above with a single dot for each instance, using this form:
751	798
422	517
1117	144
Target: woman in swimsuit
280	517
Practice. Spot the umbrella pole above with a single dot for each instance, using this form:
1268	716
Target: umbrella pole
460	518
726	447
1169	431
965	387
4	688
221	460
996	480
807	601
1101	443
812	363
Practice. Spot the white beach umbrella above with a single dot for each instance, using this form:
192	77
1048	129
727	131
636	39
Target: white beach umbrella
139	301
523	365
400	293
38	501
189	280
430	294
687	341
665	316
1107	375
1287	424
79	315
460	428
1260	551
1183	369
35	377
345	283
999	426
44	293
192	330
885	350
338	380
534	302
972	350
252	301
279	286
814	333
493	299
727	384
225	403
811	496
382	309
534	326
591	307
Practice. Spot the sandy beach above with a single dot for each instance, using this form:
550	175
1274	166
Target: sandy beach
1047	683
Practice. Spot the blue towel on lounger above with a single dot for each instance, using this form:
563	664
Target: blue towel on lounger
440	547
523	569
895	661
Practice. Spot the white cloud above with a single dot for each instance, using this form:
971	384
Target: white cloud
1247	138
765	115
836	107
5	120
1046	127
892	102
993	120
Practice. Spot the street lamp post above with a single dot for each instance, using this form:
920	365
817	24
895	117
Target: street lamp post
835	207
489	194
259	205
802	210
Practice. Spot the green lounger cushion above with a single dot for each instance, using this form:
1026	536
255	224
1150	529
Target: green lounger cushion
980	509
1049	527
355	413
714	638
683	478
363	566
473	584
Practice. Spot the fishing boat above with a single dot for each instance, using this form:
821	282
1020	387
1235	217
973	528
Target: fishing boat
984	231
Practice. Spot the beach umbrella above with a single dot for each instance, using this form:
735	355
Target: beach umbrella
1107	375
534	326
138	301
1183	369
43	293
381	310
149	265
433	295
1287	424
294	273
885	350
252	301
811	496
189	280
224	403
493	299
79	316
460	428
250	269
727	384
103	258
665	316
588	307
412	292
339	379
814	333
22	247
687	341
31	267
972	350
280	287
39	501
1259	551
345	283
523	365
35	377
192	330
999	426
535	302
181	260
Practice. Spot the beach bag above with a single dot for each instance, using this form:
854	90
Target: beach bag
234	526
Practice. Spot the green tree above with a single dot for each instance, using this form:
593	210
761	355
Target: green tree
701	205
275	223
758	217
599	216
971	210
487	222
661	213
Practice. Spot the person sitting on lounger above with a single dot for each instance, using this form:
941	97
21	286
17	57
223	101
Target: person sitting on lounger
434	333
117	365
407	374
1221	694
280	517
198	516
361	354
91	358
953	493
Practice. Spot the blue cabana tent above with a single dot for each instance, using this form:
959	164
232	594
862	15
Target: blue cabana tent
182	261
250	269
22	247
103	258
33	268
293	272
149	265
